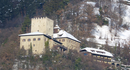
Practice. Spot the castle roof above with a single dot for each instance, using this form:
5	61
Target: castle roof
31	34
97	51
64	34
57	27
37	34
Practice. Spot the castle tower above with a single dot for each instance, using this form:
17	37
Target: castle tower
42	25
56	29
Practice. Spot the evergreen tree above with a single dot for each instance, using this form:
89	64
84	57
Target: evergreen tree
26	24
54	5
30	50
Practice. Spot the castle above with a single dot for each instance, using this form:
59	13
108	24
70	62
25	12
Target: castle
42	30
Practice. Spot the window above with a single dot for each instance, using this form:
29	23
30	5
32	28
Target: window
98	56
100	52
109	62
34	39
63	40
101	56
60	34
59	40
39	39
109	58
105	57
85	53
24	40
69	41
29	39
98	61
93	50
105	62
94	56
33	44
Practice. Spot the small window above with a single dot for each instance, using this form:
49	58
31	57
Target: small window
85	53
60	34
98	56
63	40
24	40
94	56
39	39
93	50
34	39
29	39
59	40
35	50
33	44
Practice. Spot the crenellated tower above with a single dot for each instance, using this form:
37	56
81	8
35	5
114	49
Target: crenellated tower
42	25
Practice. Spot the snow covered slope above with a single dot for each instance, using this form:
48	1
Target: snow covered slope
105	35
116	30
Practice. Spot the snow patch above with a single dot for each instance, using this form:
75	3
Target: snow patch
103	35
126	16
91	3
96	11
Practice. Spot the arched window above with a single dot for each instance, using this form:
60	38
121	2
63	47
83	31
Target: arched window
39	39
29	39
24	40
34	39
63	40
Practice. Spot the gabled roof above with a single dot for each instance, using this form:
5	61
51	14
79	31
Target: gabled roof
64	34
31	34
97	51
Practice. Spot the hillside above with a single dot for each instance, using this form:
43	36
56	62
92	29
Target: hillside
96	23
106	23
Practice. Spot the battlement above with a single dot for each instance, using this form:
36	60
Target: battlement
40	18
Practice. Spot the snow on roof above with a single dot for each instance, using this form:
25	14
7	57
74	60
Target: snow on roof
57	27
98	51
63	34
31	34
